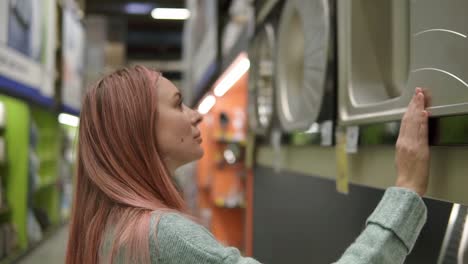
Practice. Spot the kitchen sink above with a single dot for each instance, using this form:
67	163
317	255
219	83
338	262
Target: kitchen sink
387	48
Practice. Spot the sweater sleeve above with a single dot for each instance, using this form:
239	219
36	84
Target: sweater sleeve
181	241
390	235
391	231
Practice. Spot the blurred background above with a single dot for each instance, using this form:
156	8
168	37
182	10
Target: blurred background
302	103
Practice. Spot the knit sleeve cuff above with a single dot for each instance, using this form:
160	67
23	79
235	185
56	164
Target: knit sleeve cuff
402	211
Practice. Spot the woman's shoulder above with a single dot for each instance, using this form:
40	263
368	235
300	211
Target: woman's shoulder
180	238
176	224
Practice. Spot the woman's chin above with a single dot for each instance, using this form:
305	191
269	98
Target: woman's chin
200	152
197	154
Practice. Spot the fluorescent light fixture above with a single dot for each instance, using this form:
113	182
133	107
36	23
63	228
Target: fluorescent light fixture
138	8
170	13
69	120
206	105
232	74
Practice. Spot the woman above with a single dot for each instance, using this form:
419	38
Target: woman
135	131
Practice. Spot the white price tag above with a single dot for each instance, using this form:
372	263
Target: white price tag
342	176
352	139
326	131
276	143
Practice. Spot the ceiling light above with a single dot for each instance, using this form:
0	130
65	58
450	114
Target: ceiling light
232	74
206	105
138	8
170	13
69	120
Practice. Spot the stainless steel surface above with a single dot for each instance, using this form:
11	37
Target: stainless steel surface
303	46
439	53
454	214
261	85
385	53
265	10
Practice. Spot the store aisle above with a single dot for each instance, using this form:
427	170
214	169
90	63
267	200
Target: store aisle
51	251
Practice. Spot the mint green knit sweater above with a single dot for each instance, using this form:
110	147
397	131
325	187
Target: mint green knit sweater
389	236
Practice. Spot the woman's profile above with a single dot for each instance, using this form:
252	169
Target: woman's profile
135	131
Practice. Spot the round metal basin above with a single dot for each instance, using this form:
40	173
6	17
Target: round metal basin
303	44
261	84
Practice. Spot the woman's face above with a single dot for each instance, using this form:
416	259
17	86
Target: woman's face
179	138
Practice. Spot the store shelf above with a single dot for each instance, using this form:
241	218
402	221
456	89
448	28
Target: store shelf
28	93
47	161
29	81
16	136
221	203
47	195
70	110
224	188
46	183
5	214
225	140
228	138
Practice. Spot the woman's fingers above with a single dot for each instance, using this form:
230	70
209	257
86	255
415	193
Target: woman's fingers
427	97
414	116
423	115
406	116
423	129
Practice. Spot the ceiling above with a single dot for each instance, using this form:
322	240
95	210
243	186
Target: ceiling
146	39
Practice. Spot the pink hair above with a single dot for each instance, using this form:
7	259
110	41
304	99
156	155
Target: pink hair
121	177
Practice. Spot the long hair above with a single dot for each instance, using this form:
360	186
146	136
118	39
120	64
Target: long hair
121	177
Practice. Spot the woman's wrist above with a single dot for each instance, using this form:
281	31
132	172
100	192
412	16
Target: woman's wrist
420	190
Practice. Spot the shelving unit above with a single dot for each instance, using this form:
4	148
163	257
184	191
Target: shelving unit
33	180
228	138
46	195
16	172
222	184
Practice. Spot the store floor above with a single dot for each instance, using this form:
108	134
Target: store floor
52	251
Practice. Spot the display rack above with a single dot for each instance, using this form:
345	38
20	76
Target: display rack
222	177
46	195
25	92
15	173
37	192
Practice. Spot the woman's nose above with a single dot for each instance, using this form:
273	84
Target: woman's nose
196	117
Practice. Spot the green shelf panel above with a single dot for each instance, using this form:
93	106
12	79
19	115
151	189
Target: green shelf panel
47	197
15	172
5	214
16	180
47	182
73	131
